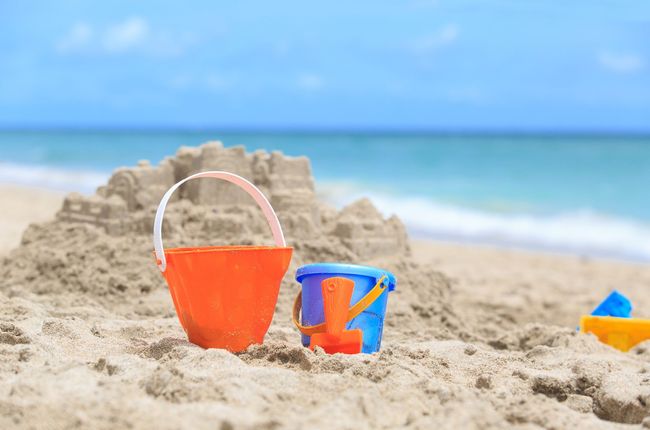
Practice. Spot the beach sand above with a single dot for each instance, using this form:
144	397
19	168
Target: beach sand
475	337
22	206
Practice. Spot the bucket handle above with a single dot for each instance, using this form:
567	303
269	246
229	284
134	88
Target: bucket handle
353	312
243	183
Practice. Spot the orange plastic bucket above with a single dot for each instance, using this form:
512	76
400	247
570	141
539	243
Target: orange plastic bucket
224	296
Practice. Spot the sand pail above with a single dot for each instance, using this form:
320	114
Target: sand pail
367	305
224	296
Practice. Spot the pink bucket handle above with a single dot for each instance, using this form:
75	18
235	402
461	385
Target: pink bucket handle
246	185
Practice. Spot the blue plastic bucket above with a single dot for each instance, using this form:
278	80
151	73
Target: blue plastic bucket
370	321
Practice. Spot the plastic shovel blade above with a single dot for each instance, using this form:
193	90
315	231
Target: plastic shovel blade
348	342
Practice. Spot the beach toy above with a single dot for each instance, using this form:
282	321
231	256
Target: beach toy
621	333
337	293
224	296
370	296
611	322
614	305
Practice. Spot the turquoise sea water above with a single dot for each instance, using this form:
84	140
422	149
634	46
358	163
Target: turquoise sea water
581	194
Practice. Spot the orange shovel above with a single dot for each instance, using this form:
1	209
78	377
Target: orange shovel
337	293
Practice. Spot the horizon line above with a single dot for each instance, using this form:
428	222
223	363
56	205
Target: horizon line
370	131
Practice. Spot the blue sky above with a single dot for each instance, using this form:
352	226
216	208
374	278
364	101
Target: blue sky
421	64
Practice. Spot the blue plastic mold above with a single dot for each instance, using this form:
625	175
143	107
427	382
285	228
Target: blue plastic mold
615	305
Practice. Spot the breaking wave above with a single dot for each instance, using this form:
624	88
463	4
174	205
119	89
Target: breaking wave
582	232
51	177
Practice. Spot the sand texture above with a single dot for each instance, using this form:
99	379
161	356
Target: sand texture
22	206
474	337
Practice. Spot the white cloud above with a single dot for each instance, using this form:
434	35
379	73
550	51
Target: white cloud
130	34
621	62
310	82
432	42
78	38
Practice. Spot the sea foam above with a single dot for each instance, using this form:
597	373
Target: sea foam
85	181
580	231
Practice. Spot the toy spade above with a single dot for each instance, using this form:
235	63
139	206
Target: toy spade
337	293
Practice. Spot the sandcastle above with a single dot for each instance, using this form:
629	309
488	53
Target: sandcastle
123	205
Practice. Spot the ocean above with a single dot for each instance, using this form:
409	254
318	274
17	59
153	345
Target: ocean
584	195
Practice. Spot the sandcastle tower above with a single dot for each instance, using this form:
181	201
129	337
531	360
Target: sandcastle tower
213	156
128	190
291	190
365	232
141	186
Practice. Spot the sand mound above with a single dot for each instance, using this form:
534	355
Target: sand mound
89	337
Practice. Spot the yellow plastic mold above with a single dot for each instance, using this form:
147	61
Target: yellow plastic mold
621	333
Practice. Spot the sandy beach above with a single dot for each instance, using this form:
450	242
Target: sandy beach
475	337
22	206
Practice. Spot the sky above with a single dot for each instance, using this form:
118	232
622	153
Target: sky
459	65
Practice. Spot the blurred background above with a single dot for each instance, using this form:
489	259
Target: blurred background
512	123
